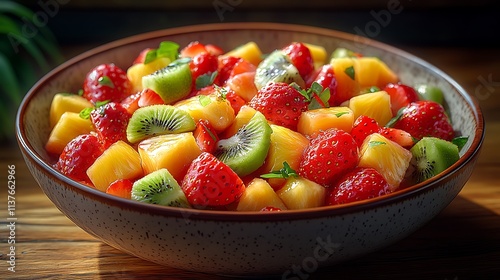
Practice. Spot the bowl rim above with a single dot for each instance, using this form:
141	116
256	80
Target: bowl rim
247	216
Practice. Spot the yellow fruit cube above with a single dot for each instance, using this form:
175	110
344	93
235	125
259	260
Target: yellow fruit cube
119	161
66	102
139	70
68	126
259	194
387	157
318	54
212	107
301	193
249	51
376	105
175	152
313	121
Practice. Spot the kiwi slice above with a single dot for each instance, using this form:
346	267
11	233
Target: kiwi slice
246	150
431	156
276	67
171	83
158	120
159	187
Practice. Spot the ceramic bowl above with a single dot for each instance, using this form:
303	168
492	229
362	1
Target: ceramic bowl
234	243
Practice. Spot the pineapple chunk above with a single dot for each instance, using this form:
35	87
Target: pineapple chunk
212	107
66	102
314	121
286	145
175	152
139	70
301	193
68	127
376	105
241	119
259	194
387	157
318	54
119	161
249	51
347	87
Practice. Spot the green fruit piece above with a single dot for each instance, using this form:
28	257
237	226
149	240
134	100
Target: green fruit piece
158	120
171	83
431	156
342	52
276	67
432	93
159	187
246	150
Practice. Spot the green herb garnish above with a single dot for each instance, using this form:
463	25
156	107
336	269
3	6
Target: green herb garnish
283	173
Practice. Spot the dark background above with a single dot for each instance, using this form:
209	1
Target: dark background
85	24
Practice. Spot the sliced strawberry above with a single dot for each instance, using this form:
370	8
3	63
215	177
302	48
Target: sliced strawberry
399	136
425	118
326	78
401	95
78	155
236	101
280	103
121	188
362	127
301	57
211	183
106	82
358	184
149	97
205	136
110	122
131	103
192	49
242	66
203	64
329	155
214	49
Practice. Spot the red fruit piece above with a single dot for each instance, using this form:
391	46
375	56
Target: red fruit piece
149	97
142	56
399	136
425	118
203	64
270	209
301	58
236	101
242	66
362	127
211	183
328	156
78	155
214	49
110	122
326	78
401	95
192	49
226	66
131	103
121	188
106	82
280	103
205	136
358	184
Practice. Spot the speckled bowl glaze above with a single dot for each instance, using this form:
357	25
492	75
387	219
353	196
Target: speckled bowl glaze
233	243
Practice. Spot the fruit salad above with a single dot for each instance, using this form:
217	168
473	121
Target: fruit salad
200	127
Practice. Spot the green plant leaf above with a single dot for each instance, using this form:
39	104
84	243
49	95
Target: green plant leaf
8	81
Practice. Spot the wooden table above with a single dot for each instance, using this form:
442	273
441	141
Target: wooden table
462	242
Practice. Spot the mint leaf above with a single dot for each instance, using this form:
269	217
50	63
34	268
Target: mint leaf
205	80
150	56
221	92
85	113
106	81
204	100
395	118
283	173
460	141
168	49
340	114
350	72
80	92
376	143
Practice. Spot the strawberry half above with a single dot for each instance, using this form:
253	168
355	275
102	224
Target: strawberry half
78	155
203	64
211	183
205	136
301	58
401	95
110	122
329	155
425	118
326	78
121	188
106	82
149	97
358	184
362	127
280	103
192	49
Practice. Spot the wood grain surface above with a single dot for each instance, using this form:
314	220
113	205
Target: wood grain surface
462	242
